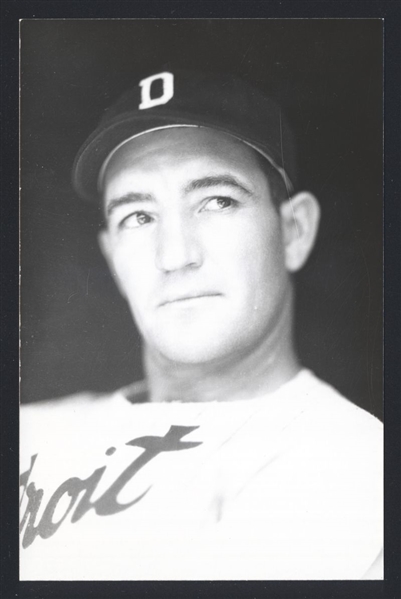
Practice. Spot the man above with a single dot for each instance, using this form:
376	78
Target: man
230	461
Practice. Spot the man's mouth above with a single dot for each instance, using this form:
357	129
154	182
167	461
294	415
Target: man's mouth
188	297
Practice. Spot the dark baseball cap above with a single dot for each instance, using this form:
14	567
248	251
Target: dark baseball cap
187	99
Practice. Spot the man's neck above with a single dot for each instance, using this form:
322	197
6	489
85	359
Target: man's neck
261	370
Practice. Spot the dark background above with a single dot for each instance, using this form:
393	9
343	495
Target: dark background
76	331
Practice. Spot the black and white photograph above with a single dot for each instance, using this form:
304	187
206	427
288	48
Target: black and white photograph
201	230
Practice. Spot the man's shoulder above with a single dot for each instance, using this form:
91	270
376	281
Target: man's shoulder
71	402
85	400
331	420
328	401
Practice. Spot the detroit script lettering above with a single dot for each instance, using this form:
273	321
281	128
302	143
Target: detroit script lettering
107	504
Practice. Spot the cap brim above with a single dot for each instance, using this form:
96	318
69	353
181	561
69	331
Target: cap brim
91	159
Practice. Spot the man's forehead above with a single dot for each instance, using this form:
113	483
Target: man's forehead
168	149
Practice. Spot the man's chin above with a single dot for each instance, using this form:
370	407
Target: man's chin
193	352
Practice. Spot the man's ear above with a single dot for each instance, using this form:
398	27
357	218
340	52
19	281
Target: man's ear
300	216
104	242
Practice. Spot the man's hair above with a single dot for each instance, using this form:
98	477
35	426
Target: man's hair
278	189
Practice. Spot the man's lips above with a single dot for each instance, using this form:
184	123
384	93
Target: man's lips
186	297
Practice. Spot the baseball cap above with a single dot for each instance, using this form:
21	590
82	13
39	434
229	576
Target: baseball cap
187	99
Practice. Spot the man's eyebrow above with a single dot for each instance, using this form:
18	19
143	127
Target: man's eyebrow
129	198
202	183
213	180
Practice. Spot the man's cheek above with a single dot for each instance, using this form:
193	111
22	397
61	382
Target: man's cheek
128	286
132	268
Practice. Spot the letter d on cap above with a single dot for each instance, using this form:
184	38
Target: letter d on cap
146	84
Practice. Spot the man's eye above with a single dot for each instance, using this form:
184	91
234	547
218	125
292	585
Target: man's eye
134	220
219	203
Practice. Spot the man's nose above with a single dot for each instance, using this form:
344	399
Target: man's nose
178	245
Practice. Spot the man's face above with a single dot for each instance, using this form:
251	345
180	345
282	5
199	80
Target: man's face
195	243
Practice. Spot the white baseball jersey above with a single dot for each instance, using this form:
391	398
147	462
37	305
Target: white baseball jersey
280	487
